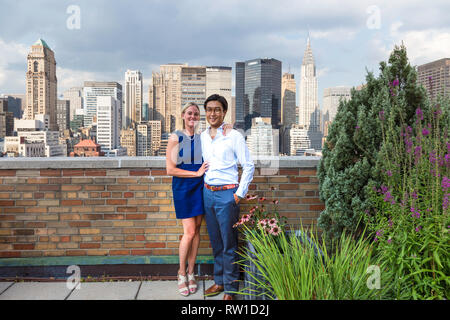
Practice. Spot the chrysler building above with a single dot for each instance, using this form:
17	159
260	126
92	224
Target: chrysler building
309	113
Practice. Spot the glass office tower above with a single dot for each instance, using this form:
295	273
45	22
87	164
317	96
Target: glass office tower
258	91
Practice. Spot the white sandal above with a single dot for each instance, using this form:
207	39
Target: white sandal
183	291
192	287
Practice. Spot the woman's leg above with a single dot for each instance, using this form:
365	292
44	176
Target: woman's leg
192	255
189	227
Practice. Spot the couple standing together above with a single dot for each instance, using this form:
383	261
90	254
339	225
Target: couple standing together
205	183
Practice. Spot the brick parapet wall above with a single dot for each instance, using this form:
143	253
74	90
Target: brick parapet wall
55	207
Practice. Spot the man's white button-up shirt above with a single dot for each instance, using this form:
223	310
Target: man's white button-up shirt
223	154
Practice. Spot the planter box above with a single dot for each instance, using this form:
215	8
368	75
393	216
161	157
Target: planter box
253	291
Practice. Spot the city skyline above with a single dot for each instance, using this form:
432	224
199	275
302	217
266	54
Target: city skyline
346	38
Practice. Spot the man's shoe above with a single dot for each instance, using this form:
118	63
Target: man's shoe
228	297
214	290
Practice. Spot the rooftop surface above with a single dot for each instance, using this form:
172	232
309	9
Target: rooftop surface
119	290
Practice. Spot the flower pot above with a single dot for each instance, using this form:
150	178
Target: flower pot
253	291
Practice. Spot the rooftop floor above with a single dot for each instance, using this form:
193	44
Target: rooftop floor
119	290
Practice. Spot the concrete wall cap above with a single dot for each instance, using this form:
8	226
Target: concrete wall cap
140	162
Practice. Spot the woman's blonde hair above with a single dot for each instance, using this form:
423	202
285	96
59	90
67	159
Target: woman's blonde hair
186	106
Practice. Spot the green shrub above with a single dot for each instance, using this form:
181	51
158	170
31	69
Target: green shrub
350	154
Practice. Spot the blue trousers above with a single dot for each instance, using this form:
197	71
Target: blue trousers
221	213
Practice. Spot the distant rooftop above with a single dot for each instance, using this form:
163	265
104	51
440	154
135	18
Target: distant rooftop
87	143
41	42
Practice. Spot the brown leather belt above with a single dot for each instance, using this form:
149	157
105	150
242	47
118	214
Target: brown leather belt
220	188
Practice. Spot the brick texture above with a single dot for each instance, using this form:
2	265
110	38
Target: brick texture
113	212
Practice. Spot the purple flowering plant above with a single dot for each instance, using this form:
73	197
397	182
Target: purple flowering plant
410	220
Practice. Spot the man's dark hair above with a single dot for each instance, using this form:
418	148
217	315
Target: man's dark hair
216	97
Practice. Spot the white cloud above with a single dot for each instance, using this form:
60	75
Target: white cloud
322	72
69	78
12	80
425	45
334	35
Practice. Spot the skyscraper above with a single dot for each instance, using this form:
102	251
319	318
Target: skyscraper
143	140
193	89
94	89
6	119
218	81
63	115
75	96
288	93
177	84
41	83
107	123
258	91
165	95
132	111
263	140
331	99
155	127
435	77
309	113
128	141
239	99
299	140
16	104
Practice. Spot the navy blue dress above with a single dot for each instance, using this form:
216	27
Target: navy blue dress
188	192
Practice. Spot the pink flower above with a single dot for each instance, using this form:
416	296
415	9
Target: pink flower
273	222
419	114
249	197
237	224
395	82
275	231
445	183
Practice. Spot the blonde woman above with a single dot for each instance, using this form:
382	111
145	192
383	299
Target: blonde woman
185	163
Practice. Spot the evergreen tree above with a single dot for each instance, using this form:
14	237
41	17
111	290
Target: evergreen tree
350	164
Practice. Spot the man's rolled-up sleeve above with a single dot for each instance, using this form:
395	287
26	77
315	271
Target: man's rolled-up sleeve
245	160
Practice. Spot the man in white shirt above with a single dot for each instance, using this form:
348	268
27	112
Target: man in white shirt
223	192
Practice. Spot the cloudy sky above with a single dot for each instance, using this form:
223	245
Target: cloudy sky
99	40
